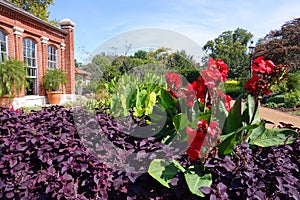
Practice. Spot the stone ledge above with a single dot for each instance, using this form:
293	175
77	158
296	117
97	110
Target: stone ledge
32	100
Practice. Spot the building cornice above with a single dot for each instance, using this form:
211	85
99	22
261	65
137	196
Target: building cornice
15	12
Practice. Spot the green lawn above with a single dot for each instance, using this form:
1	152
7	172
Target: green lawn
297	112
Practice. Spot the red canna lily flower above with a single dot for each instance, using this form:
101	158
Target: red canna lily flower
200	89
220	66
173	83
227	102
13	109
212	129
173	80
193	153
262	66
189	95
257	86
211	77
196	139
191	133
202	124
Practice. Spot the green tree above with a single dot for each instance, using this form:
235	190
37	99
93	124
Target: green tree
39	8
180	59
184	64
231	47
282	46
98	66
140	54
159	55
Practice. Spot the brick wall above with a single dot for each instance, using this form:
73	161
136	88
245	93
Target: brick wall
19	24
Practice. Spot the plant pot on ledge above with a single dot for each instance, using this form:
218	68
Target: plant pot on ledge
6	101
54	97
53	80
12	80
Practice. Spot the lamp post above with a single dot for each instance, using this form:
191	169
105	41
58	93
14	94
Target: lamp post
251	49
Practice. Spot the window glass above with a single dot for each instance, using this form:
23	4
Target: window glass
3	47
29	47
52	57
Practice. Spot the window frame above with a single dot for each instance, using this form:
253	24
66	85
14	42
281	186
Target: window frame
31	64
3	54
52	55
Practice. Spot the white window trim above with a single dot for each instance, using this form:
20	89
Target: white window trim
56	57
6	44
35	67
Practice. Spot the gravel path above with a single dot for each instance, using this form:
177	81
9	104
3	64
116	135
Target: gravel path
276	116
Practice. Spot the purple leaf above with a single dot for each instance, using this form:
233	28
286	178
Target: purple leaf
21	146
10	195
205	190
13	162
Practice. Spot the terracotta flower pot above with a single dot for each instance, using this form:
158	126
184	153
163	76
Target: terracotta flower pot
6	101
54	97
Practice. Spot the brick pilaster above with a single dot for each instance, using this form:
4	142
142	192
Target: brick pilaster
69	64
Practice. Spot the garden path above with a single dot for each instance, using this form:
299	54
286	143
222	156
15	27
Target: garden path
276	116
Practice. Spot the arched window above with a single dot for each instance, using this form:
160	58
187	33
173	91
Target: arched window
30	54
52	57
3	46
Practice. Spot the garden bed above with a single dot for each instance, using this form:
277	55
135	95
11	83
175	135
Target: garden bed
59	153
171	140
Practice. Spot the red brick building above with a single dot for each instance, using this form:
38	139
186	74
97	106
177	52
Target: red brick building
40	46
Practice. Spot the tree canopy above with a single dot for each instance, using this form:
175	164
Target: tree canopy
39	8
282	46
231	47
103	68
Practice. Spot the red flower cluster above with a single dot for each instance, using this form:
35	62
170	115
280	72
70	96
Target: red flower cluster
196	90
13	109
262	66
226	99
188	94
215	73
257	86
204	90
173	81
197	137
200	89
265	74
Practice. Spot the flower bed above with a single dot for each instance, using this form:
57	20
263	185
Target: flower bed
43	157
196	147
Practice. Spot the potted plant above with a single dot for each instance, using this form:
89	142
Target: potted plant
53	80
12	80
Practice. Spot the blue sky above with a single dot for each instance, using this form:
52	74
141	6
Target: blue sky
199	20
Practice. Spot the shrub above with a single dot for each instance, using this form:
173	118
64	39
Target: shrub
269	173
293	81
234	88
89	88
292	99
233	82
191	74
28	109
274	105
277	99
280	88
